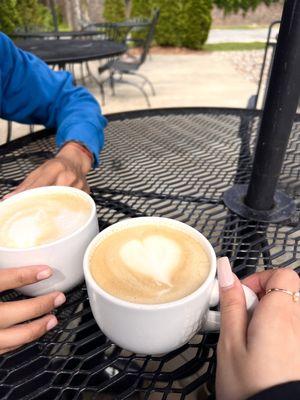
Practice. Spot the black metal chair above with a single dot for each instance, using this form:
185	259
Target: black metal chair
270	45
122	67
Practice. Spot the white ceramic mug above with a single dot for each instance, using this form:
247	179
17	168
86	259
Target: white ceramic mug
64	256
158	328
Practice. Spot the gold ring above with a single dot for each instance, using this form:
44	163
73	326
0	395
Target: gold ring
295	295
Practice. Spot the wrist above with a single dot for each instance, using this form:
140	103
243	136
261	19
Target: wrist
78	154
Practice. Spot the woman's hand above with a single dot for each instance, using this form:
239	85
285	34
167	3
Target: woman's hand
265	352
68	168
15	330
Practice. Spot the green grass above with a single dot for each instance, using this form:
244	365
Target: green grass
232	46
63	27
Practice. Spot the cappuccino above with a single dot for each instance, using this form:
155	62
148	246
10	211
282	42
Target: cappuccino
40	219
149	263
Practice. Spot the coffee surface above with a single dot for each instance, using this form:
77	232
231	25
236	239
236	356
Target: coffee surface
41	219
149	264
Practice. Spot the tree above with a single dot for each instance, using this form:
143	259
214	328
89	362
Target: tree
114	10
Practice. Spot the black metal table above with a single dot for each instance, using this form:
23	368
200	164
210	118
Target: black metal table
71	51
174	163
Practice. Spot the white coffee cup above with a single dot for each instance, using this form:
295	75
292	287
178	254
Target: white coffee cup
64	256
158	328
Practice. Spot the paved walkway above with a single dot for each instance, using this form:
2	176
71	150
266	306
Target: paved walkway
238	35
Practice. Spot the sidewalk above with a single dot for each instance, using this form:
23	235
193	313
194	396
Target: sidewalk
239	35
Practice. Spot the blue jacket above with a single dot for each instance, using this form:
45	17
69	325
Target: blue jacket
31	93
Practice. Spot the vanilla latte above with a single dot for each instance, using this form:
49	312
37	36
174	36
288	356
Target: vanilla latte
41	218
149	263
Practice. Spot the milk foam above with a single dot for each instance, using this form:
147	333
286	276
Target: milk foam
41	219
149	263
155	256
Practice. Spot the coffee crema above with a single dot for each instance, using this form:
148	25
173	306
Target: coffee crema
149	264
40	219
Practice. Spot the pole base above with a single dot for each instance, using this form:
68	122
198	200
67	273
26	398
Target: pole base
284	206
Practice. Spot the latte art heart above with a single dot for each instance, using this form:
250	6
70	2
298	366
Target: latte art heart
149	263
155	256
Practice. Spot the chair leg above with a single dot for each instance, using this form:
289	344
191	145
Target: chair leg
102	91
138	87
145	79
112	83
9	131
82	74
100	84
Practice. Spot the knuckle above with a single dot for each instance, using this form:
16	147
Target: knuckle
69	177
57	165
231	303
31	333
22	277
41	307
34	331
286	274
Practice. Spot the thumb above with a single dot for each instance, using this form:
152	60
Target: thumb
234	317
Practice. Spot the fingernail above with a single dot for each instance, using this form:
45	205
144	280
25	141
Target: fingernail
59	300
225	275
44	274
51	323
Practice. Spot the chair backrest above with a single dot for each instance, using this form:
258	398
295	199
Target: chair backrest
116	31
149	37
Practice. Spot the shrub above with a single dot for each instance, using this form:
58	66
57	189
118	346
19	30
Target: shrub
195	23
114	10
24	15
141	9
169	27
9	17
183	23
33	15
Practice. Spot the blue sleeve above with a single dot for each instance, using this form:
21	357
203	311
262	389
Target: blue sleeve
30	92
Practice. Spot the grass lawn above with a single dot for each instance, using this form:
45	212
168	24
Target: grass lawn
234	46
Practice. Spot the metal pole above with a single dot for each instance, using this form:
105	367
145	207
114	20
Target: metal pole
54	15
279	111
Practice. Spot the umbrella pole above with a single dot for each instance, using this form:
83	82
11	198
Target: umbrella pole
260	200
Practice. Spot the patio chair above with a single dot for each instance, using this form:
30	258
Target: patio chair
270	44
122	67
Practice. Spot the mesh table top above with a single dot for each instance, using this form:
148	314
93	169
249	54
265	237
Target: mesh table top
62	51
175	163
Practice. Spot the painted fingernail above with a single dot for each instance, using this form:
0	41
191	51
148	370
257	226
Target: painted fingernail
51	323
59	300
44	274
225	275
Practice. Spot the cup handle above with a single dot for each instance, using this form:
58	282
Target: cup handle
213	319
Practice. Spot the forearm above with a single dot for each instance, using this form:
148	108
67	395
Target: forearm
32	93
